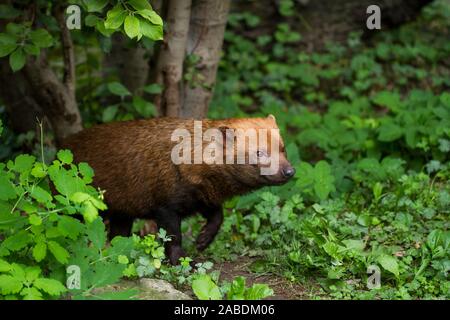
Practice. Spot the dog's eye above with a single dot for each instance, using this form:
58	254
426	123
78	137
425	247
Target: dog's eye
260	153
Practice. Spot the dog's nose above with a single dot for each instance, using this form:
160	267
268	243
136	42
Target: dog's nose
288	172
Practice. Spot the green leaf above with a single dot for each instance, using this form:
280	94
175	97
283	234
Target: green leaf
151	31
109	113
8	12
23	163
65	156
96	233
17	241
144	108
35	220
115	17
86	171
95	5
41	38
131	26
7	190
50	286
17	60
41	195
258	291
389	263
4	266
205	289
9	284
151	16
31	293
70	227
323	180
389	131
140	4
7	44
118	89
154	88
39	251
38	170
61	254
89	211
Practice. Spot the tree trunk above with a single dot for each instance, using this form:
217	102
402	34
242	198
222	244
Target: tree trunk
206	32
130	61
169	68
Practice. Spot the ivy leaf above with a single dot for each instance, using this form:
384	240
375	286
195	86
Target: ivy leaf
61	254
17	60
389	263
131	26
51	286
9	284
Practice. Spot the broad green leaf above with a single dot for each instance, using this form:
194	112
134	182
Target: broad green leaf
41	195
70	227
39	251
96	233
86	171
41	38
89	211
389	131
131	26
323	180
17	59
51	286
35	220
151	31
389	263
118	89
17	241
205	289
7	44
7	190
115	17
258	291
144	108
61	254
95	5
140	4
9	284
31	293
151	16
65	156
4	266
23	163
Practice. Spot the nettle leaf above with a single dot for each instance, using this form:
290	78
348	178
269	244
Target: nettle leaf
389	263
389	131
61	254
41	195
96	233
131	26
39	251
31	293
10	284
70	227
323	180
4	266
17	59
51	286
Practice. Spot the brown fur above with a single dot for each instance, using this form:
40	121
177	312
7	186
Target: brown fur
132	162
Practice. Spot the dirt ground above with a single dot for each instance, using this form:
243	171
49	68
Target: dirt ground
283	289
